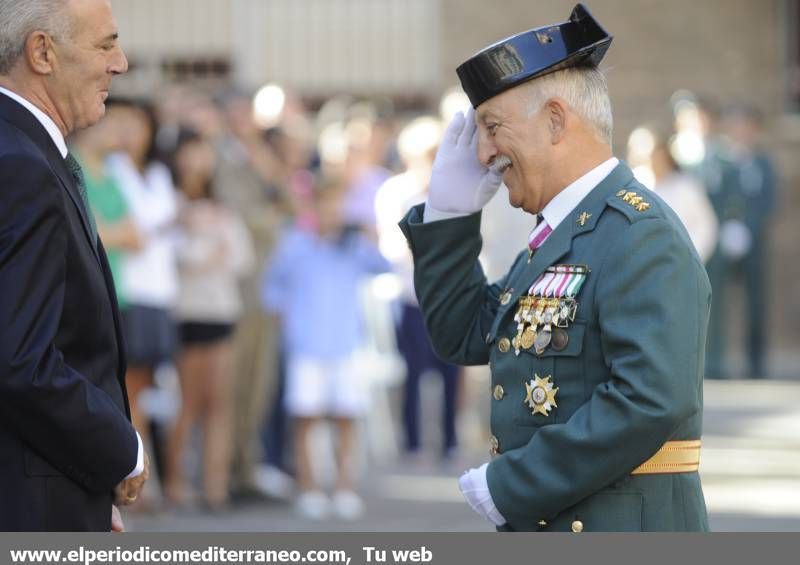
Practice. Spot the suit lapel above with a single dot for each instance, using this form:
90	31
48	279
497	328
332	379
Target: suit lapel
19	116
68	181
121	345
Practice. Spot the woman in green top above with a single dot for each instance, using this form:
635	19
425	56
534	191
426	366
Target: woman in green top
115	227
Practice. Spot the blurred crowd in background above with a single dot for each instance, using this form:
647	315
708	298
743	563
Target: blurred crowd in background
266	288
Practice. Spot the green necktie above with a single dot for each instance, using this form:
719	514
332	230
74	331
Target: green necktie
75	168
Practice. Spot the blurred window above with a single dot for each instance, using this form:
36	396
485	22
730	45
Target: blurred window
314	47
195	68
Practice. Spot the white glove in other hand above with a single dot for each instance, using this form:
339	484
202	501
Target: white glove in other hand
475	489
460	184
735	239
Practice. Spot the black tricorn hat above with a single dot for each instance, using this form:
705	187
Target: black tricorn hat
581	40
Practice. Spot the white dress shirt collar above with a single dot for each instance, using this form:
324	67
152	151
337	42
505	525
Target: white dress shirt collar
43	118
565	201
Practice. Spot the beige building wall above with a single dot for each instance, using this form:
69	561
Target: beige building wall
152	28
320	47
315	47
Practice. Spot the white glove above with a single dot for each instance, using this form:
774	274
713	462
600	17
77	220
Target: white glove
460	185
475	489
735	239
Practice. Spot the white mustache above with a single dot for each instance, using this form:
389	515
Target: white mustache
501	163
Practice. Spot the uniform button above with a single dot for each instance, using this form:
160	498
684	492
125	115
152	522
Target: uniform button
505	298
499	393
494	446
577	526
542	524
504	345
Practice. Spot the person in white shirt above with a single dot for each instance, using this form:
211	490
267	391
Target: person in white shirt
149	275
214	251
687	197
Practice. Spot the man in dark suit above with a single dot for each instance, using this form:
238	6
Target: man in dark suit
69	453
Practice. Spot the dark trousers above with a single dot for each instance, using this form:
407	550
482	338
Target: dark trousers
415	346
751	271
274	431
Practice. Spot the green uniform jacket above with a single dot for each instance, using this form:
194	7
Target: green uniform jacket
629	379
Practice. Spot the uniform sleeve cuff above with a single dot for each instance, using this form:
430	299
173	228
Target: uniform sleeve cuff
139	460
431	214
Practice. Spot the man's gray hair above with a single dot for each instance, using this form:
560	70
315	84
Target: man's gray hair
584	89
19	18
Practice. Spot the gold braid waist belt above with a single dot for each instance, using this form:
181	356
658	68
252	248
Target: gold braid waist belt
673	457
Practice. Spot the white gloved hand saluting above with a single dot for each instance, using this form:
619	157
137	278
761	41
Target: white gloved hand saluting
460	184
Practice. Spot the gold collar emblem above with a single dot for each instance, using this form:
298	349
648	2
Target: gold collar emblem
583	218
541	396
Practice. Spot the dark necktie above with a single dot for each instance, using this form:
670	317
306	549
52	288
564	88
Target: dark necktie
75	168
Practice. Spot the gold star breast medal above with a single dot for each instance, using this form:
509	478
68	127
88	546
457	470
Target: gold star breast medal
540	396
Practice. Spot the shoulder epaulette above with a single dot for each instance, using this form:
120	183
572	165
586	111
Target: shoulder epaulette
631	203
634	199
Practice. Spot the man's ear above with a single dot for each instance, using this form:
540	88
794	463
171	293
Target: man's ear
39	52
556	112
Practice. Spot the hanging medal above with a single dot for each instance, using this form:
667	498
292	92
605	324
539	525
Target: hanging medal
523	318
549	307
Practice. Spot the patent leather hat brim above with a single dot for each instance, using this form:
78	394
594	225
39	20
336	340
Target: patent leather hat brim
581	40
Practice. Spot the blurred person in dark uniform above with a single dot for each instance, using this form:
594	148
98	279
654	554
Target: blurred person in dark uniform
699	149
748	205
69	451
595	337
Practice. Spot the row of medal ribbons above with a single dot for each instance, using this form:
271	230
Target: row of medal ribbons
550	302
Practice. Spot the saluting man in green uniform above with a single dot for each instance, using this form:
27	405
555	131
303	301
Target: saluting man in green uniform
595	337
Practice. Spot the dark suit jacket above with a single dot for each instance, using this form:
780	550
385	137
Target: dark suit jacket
65	435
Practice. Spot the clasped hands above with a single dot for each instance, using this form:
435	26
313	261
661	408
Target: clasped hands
127	491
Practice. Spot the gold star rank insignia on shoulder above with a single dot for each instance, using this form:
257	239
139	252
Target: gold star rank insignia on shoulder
540	395
634	200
